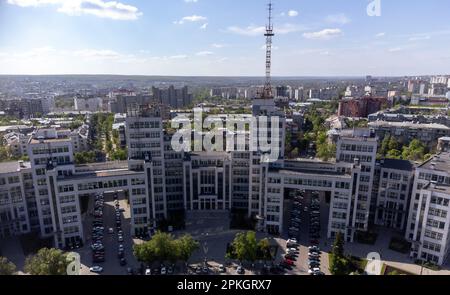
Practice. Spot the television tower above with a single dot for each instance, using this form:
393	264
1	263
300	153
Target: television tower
267	91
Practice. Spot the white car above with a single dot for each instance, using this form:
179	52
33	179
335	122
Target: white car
148	272
314	270
294	241
96	269
163	270
110	230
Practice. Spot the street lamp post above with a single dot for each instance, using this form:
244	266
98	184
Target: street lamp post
205	250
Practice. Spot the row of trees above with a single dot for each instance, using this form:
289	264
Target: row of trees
245	247
393	149
45	262
164	247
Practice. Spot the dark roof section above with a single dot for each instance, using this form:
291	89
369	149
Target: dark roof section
397	164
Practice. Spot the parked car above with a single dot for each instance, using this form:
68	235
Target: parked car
96	269
222	268
123	262
163	270
148	272
240	270
314	270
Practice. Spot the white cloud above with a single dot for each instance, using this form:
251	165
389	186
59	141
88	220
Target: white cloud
420	38
260	30
98	54
380	35
191	18
325	34
191	1
180	56
395	49
204	53
218	45
204	26
292	13
100	8
340	18
247	31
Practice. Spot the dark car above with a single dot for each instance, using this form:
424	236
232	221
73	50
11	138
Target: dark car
123	262
130	271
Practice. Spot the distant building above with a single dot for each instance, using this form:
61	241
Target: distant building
362	107
175	98
405	132
88	104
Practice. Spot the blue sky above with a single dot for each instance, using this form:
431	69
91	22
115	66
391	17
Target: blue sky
223	37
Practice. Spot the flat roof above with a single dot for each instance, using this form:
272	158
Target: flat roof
440	162
408	125
13	166
438	188
309	171
91	176
48	140
397	164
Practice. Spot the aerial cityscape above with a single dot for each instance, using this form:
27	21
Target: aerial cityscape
293	143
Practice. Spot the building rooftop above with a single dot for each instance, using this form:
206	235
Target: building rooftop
97	175
397	164
300	172
439	188
409	125
440	162
10	167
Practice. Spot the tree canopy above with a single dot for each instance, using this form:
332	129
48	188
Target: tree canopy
245	247
163	247
47	262
7	268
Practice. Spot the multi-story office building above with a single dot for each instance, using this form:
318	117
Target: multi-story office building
428	221
393	192
359	146
14	219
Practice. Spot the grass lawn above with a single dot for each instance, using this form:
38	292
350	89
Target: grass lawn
355	264
391	271
400	245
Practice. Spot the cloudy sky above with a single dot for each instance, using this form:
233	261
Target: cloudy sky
223	37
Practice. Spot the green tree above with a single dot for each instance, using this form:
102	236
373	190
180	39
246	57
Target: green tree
415	151
338	246
163	247
186	247
7	268
245	246
264	249
394	154
47	262
119	155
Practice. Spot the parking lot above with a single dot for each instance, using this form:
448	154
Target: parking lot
306	221
103	230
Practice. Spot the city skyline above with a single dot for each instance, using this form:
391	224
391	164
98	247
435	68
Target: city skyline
221	38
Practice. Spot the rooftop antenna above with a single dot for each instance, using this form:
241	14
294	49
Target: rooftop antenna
267	91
